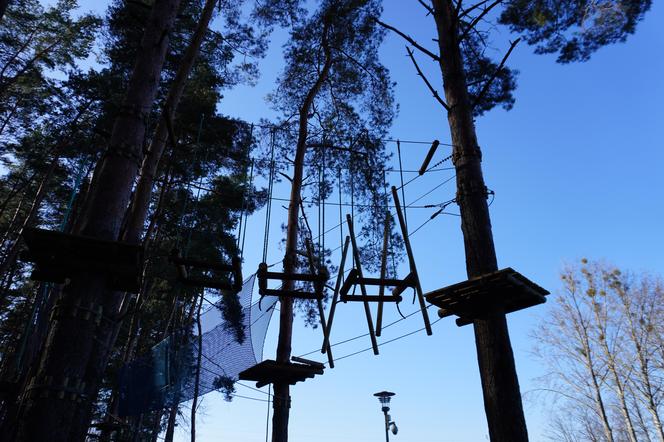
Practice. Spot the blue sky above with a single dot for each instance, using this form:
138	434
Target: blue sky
577	171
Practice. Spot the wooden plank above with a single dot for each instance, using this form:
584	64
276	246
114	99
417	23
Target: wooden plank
363	289
411	261
335	297
383	272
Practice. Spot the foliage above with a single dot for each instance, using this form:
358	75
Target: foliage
38	48
571	28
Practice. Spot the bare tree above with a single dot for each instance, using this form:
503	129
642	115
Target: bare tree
599	342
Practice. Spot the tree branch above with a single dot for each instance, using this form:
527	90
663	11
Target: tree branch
484	90
426	81
471	9
427	7
409	39
477	19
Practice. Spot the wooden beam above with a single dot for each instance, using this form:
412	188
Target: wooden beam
335	298
383	271
358	267
411	261
429	156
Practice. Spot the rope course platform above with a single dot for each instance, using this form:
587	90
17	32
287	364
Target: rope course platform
270	371
60	256
185	265
504	289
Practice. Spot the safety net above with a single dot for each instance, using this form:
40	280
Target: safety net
166	375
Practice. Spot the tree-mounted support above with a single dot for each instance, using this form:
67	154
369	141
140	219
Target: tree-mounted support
185	265
506	290
269	371
318	278
59	257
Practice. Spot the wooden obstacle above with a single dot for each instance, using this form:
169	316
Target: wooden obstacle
59	257
269	372
356	278
506	290
317	278
186	265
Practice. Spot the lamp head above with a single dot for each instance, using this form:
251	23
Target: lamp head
384	397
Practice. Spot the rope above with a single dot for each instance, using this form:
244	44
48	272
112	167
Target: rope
246	214
268	211
403	193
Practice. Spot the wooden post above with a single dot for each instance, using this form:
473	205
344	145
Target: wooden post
363	289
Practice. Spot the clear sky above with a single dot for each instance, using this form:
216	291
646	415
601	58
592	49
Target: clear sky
577	170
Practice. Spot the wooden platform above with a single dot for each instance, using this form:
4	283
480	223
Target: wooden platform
184	267
473	299
60	256
269	371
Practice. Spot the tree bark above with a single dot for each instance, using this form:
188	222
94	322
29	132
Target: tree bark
141	199
500	385
70	367
281	397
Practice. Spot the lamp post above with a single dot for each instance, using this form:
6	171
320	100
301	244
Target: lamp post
384	398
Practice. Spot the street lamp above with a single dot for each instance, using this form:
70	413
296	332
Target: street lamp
384	397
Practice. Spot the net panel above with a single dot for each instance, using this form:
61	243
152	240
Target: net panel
167	374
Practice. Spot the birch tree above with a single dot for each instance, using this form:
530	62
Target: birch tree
599	342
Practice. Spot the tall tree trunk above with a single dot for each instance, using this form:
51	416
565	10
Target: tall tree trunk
58	402
500	385
170	426
12	252
197	378
141	199
281	397
10	227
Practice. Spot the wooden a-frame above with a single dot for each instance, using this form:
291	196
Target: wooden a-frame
356	277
